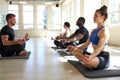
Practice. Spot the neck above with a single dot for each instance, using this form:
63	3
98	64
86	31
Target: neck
80	26
10	25
100	25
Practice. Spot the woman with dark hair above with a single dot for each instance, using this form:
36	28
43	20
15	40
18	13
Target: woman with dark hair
99	59
65	34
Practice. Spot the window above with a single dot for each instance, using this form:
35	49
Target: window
2	20
78	8
71	12
28	16
56	18
41	17
114	12
15	10
66	13
90	6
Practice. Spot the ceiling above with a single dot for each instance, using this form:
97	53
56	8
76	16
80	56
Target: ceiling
53	1
36	0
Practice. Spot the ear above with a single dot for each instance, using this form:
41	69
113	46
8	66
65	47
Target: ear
103	17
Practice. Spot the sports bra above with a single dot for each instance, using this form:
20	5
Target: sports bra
94	36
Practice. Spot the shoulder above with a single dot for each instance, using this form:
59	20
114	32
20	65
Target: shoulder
104	31
5	27
5	30
84	28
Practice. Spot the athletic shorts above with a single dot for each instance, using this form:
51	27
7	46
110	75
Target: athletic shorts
104	60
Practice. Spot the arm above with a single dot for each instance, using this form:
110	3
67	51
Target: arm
72	35
76	38
6	42
104	36
71	48
84	45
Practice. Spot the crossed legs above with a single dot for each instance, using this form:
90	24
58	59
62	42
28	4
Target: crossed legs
93	63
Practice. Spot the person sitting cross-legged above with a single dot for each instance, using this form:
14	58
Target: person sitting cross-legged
99	37
10	46
65	34
79	37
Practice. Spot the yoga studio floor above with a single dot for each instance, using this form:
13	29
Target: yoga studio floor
45	64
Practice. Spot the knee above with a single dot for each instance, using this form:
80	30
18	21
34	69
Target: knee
77	51
88	64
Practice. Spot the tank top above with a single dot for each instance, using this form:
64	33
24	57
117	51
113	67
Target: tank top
94	36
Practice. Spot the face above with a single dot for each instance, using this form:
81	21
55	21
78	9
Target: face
98	18
65	26
79	23
12	21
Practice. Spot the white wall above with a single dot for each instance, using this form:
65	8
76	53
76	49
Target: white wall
3	6
114	35
31	33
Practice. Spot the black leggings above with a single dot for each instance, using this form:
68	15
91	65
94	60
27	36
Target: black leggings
104	60
61	45
12	50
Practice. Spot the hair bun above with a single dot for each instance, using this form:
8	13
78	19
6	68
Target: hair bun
104	8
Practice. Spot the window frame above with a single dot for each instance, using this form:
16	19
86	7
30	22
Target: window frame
23	11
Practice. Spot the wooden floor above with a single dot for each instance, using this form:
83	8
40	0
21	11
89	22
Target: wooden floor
43	64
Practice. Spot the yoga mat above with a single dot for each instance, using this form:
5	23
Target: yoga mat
54	48
16	57
62	52
95	73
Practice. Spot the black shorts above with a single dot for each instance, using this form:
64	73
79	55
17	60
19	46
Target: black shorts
104	59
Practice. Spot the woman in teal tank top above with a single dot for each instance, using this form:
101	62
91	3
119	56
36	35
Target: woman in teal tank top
99	59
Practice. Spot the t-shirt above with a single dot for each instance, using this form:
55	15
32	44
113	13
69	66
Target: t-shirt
6	30
84	32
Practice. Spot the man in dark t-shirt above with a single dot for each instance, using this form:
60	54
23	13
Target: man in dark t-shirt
83	31
80	35
9	45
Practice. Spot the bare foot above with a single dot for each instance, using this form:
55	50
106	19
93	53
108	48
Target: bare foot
23	53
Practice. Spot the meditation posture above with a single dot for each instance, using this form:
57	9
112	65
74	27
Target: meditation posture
10	46
80	35
99	59
65	34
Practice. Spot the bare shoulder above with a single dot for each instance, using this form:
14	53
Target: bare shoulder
104	31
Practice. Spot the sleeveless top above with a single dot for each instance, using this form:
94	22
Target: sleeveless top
66	33
94	36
